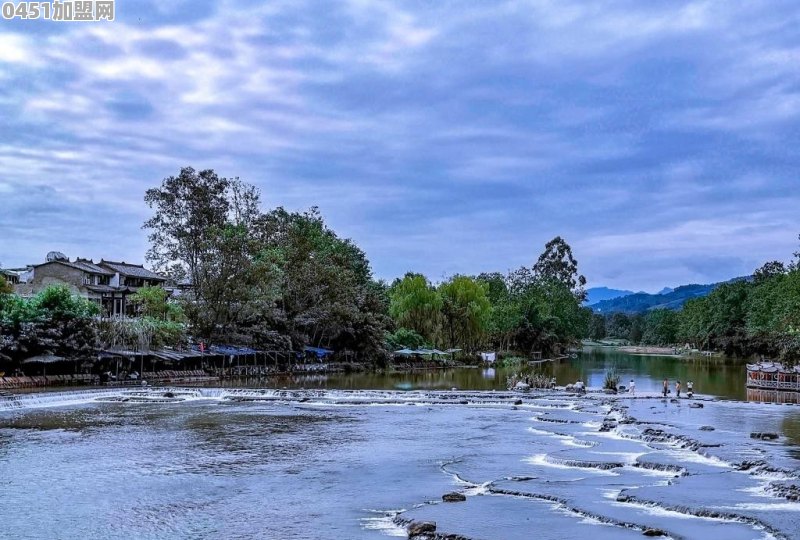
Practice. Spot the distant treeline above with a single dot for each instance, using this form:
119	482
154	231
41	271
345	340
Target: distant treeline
533	309
741	318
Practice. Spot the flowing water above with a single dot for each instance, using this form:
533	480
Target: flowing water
357	463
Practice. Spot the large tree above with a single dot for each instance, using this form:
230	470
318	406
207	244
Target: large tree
466	312
557	263
415	304
200	234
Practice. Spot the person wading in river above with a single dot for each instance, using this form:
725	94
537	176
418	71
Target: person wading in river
666	386
678	388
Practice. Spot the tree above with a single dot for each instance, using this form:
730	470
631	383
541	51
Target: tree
597	327
768	271
405	338
773	316
200	232
54	322
5	286
618	326
557	263
325	292
416	305
660	327
154	302
466	312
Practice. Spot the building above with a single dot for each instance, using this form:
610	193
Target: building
16	276
107	283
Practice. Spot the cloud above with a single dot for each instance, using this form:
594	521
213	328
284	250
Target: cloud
443	138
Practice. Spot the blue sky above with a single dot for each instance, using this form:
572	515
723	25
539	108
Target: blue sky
659	138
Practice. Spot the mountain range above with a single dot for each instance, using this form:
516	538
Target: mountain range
605	300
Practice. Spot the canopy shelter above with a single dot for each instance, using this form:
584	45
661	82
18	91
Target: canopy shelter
230	350
420	352
163	354
44	359
319	352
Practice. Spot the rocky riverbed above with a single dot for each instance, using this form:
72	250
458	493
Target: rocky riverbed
189	463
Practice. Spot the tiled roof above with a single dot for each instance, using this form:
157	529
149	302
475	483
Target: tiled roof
83	265
134	270
88	266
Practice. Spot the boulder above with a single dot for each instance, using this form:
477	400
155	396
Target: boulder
518	402
169	395
454	497
419	528
764	435
654	532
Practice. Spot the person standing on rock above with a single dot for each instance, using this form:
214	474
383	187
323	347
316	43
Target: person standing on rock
678	388
666	387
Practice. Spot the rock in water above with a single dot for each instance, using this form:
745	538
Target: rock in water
420	528
454	497
518	402
764	436
695	405
654	532
706	428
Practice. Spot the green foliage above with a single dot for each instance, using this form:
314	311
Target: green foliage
558	264
5	286
154	303
54	321
415	304
404	338
140	334
274	280
611	381
597	327
660	327
466	312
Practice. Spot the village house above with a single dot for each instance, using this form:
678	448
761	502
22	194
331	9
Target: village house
16	276
108	283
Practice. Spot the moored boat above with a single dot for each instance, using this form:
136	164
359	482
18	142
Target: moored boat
773	376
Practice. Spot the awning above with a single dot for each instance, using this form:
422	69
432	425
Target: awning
163	354
43	359
229	350
319	351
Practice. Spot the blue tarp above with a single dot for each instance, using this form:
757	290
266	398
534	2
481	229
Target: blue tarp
321	353
228	350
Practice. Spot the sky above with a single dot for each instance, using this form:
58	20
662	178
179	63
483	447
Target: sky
659	138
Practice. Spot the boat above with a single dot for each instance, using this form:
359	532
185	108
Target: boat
773	376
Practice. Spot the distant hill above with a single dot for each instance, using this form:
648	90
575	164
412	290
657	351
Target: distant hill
598	294
665	290
641	302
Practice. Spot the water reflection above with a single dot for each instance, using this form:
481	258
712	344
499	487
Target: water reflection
722	377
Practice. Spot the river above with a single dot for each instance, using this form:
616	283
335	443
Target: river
719	377
350	462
